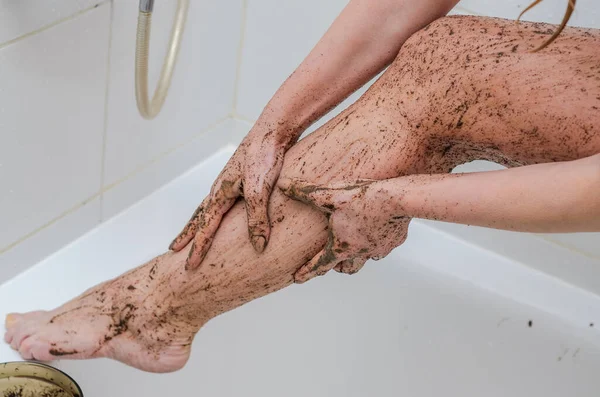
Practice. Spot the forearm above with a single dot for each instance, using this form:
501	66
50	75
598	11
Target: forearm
361	42
544	198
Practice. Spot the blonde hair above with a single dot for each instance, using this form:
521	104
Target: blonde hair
567	16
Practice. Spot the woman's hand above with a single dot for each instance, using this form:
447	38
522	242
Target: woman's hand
251	173
361	225
368	219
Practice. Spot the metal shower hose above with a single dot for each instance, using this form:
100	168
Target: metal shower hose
149	109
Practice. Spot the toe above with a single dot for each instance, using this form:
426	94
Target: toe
9	335
25	348
350	266
39	349
20	334
12	319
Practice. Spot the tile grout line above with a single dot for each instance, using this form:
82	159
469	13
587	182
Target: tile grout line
51	25
567	247
165	153
113	185
239	117
240	49
466	10
48	224
105	128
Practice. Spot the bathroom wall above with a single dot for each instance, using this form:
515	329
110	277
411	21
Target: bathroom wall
73	149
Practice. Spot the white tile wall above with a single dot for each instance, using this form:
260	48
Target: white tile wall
20	17
278	35
174	163
70	129
52	88
202	88
49	239
587	243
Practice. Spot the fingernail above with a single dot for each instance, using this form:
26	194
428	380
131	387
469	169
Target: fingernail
172	244
299	279
259	243
188	265
301	275
192	249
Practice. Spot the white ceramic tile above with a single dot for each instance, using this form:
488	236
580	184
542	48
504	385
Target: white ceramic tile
279	35
586	243
202	88
49	239
20	17
587	12
240	130
460	10
52	89
168	167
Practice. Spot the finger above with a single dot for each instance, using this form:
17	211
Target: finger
217	201
190	229
350	266
315	195
323	262
323	197
204	236
258	222
257	191
208	223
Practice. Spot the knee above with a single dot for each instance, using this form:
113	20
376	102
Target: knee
433	45
427	67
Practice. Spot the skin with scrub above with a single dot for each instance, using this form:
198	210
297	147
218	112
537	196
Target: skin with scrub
457	89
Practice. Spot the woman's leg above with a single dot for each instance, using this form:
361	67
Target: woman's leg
404	124
148	317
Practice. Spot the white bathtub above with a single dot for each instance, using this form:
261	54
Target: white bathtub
404	326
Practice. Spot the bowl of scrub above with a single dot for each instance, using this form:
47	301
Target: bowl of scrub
29	379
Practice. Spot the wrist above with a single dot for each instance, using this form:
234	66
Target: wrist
284	129
391	195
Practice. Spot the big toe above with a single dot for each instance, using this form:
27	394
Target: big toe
12	319
11	324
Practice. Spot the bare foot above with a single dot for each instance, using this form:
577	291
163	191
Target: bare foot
117	320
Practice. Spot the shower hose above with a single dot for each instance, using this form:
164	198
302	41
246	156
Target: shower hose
150	108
